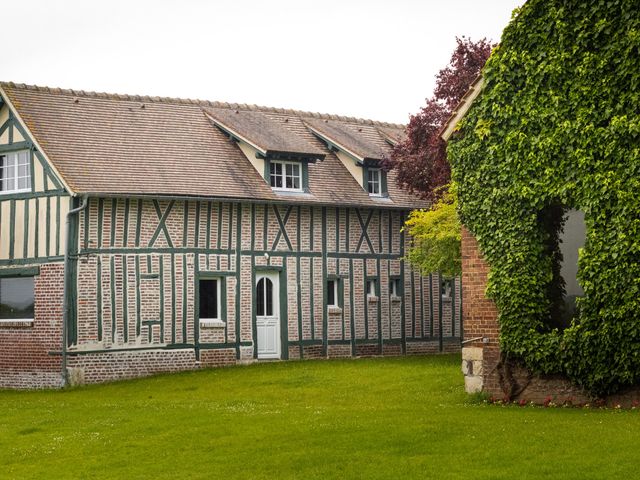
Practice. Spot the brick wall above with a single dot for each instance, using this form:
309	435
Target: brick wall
28	357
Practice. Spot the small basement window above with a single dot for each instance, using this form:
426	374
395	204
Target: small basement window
374	182
15	172
332	293
209	295
16	299
286	176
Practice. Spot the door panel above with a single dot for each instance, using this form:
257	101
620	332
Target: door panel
268	315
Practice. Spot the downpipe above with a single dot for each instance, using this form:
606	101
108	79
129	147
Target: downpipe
67	287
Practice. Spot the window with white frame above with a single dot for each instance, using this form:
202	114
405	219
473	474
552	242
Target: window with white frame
374	181
286	176
332	293
394	286
16	299
15	172
371	288
209	296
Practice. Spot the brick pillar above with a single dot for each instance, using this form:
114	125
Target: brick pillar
480	320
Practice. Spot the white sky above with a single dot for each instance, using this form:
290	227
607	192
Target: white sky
373	59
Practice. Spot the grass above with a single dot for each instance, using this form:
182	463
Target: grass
374	418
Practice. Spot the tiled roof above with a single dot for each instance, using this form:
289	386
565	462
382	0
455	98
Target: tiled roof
393	135
268	134
137	145
360	141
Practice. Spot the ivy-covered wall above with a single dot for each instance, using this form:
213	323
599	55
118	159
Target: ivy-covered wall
557	127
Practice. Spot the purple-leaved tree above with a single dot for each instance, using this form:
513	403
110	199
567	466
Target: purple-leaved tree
420	160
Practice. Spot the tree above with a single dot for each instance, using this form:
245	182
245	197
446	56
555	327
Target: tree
436	234
420	160
422	167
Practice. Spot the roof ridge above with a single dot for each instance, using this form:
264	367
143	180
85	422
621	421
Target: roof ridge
202	103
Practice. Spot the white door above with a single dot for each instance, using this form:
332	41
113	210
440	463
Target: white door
268	315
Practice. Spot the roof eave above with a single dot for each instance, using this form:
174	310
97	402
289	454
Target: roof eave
332	143
7	100
462	108
232	133
390	204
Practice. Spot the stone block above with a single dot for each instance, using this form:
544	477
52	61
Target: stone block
477	367
75	376
472	384
472	353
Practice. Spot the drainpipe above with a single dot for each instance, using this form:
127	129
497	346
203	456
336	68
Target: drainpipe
67	286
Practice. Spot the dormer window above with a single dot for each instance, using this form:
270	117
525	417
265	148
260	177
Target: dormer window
374	182
15	172
286	176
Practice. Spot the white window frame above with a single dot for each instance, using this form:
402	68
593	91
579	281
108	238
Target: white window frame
21	320
395	287
371	288
283	175
376	181
336	301
12	162
219	321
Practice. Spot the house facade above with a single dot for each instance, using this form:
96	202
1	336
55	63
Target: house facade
162	235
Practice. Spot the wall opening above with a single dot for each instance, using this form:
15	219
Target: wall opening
565	236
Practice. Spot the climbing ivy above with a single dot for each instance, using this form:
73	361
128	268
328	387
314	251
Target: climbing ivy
557	124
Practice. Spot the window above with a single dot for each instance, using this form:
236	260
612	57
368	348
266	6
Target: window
332	293
371	288
286	176
447	287
209	291
394	287
264	298
374	181
15	172
16	299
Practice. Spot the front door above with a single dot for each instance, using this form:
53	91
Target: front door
268	315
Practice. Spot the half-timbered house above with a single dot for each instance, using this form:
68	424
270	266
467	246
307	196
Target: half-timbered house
140	235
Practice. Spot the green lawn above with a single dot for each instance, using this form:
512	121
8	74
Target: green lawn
374	418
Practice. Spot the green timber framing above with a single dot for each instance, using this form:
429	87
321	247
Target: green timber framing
31	223
215	238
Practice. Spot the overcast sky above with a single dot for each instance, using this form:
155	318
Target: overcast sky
373	59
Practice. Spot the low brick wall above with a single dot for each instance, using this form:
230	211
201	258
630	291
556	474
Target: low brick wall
105	367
